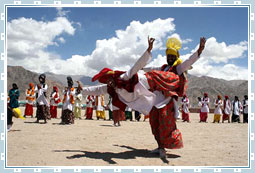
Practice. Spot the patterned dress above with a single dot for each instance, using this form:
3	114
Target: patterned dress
68	102
162	121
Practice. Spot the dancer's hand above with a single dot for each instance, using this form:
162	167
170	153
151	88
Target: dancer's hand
79	85
201	46
150	44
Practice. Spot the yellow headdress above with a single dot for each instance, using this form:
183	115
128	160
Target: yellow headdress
172	47
17	113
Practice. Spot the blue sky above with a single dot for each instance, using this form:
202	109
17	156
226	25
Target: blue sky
227	25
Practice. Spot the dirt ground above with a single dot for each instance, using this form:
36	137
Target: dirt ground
98	143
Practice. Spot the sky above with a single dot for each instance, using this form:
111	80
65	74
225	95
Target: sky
83	40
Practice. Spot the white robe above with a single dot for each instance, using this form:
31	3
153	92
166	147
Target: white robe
185	105
236	107
227	109
68	105
89	103
99	105
218	106
41	99
245	106
28	101
141	99
205	103
78	99
53	100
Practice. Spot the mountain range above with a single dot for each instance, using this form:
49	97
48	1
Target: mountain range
196	85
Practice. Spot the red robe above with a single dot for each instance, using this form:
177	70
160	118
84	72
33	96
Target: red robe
225	116
54	108
29	110
89	110
162	120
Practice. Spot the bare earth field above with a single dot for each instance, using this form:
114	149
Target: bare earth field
98	143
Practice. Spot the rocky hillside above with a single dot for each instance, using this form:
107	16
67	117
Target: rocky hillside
23	77
196	85
213	86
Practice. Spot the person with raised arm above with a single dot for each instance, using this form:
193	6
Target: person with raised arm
152	93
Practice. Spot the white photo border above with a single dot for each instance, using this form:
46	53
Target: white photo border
4	4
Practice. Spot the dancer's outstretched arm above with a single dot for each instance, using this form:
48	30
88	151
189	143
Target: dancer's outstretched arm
102	89
186	64
143	61
148	69
93	90
193	58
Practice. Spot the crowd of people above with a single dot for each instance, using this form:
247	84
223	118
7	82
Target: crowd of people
153	93
222	109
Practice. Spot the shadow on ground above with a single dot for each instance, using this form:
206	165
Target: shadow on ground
106	125
14	131
109	156
33	122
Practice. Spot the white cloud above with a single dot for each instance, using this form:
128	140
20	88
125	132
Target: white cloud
27	36
215	53
186	41
61	40
175	35
61	12
227	71
185	48
119	52
27	40
183	41
221	52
